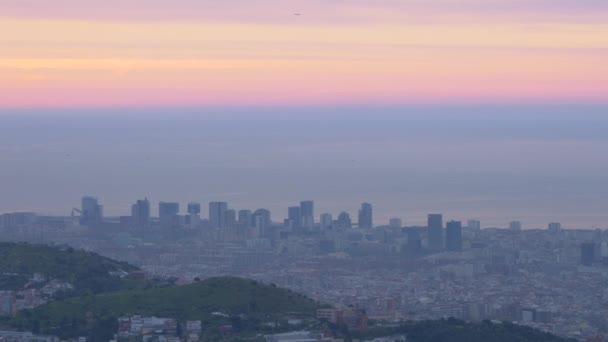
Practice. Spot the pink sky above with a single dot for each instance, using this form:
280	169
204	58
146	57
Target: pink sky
69	53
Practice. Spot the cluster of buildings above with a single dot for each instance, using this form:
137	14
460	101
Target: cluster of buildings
36	292
553	279
154	329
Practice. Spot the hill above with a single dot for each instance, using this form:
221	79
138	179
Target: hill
245	304
455	330
87	272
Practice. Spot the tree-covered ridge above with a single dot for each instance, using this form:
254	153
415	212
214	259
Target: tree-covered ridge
87	272
454	330
245	303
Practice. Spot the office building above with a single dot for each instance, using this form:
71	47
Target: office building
515	226
365	216
91	211
414	242
294	217
474	225
395	223
435	231
245	218
326	221
555	227
261	222
194	208
168	213
230	220
343	221
307	212
140	213
588	253
217	214
453	236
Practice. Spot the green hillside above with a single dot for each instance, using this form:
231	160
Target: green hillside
455	330
246	304
87	272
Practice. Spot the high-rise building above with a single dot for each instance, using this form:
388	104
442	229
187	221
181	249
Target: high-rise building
194	208
91	211
326	221
453	240
344	221
294	217
515	226
435	231
555	227
474	225
587	253
365	216
261	221
414	243
217	214
245	218
167	213
230	218
395	222
307	212
140	213
194	214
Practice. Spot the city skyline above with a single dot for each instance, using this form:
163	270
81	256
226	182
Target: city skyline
216	216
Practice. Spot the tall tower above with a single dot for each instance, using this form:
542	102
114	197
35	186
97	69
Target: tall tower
435	231
91	211
167	213
555	227
294	216
194	214
140	213
307	212
326	221
194	208
365	216
453	241
217	214
245	218
343	221
515	226
230	220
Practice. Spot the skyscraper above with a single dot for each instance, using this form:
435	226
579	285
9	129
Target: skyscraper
474	225
365	216
395	222
307	212
344	221
587	253
167	213
194	208
91	211
555	227
194	217
140	213
435	231
245	218
217	214
453	241
294	217
230	218
515	226
326	221
261	221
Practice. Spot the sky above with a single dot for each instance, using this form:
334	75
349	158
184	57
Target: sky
487	109
151	53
